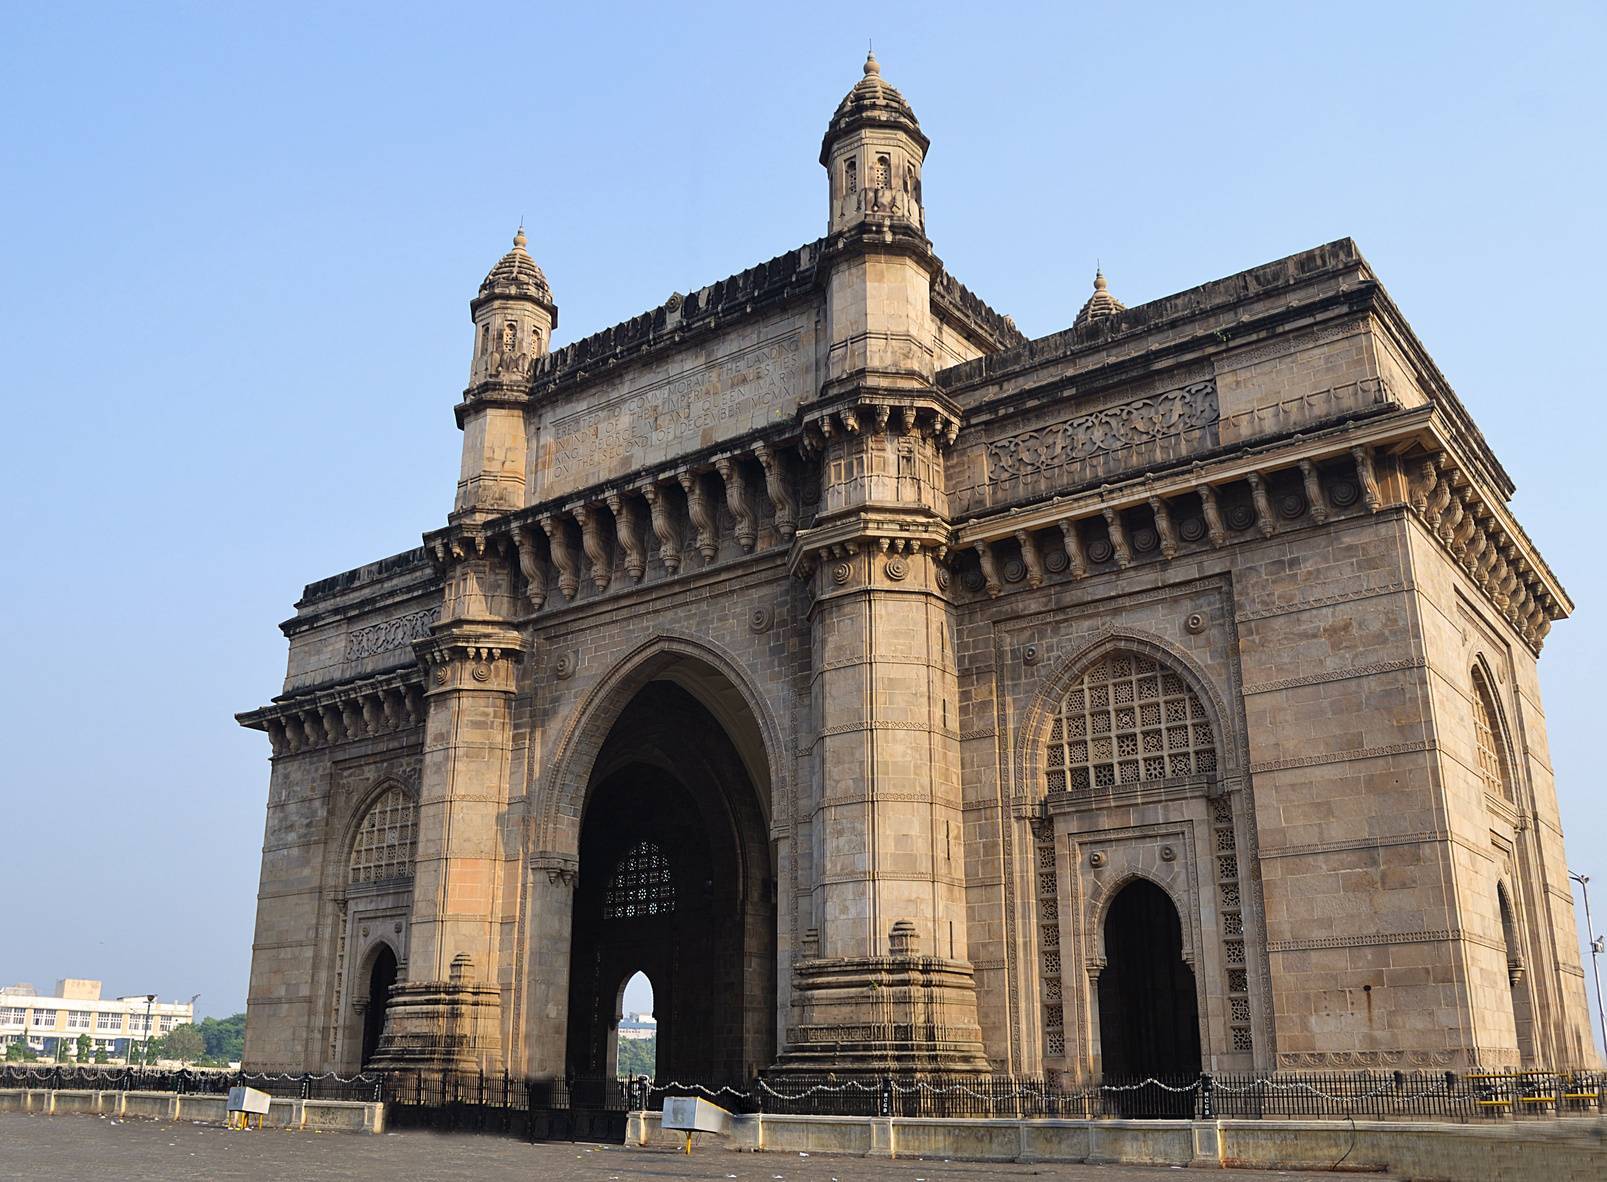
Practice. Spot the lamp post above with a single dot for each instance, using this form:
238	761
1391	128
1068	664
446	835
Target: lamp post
1596	948
145	1046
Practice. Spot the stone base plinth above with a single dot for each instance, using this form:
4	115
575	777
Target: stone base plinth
885	1015
441	1026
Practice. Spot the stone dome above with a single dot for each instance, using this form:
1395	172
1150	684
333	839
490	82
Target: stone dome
1100	304
872	102
516	275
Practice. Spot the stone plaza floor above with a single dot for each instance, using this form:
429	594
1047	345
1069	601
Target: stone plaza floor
79	1147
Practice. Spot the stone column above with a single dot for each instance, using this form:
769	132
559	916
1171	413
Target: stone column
447	1014
549	919
889	987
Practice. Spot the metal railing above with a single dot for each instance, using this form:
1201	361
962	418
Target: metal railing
594	1109
309	1085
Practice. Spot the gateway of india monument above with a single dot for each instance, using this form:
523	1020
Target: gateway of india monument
904	695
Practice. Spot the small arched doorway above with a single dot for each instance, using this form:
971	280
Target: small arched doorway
1149	1023
675	881
381	976
636	1033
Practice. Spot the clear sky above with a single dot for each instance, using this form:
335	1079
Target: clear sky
241	241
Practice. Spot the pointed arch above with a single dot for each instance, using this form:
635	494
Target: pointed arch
712	675
1491	735
1101	895
1033	734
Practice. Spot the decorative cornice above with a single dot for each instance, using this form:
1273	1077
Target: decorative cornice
1317	601
1371	940
1278	765
1376	667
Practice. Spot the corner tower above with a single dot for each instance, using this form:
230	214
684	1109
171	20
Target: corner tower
883	982
514	317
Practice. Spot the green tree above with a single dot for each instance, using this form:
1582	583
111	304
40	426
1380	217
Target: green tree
225	1038
184	1043
85	1046
20	1052
637	1056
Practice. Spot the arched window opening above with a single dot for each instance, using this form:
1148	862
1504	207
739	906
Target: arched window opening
384	846
1128	720
1522	1011
642	886
1493	763
883	178
850	175
636	1034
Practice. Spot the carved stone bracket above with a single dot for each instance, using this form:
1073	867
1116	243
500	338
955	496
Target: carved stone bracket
701	512
531	566
779	489
628	529
665	527
361	709
738	500
595	543
563	555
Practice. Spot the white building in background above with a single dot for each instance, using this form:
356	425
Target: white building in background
634	1026
76	1008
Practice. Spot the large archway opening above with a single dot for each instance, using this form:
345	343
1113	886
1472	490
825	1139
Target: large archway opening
675	881
1149	1022
381	976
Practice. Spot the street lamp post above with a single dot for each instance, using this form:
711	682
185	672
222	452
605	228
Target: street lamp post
1596	948
145	1047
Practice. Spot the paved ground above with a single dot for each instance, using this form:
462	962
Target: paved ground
81	1147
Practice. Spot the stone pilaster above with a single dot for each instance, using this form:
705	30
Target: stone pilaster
447	1014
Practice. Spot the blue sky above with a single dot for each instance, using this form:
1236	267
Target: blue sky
241	241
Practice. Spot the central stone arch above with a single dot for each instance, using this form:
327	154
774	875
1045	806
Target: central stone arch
661	802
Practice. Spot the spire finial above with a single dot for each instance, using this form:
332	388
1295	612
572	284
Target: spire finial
519	239
872	66
1099	278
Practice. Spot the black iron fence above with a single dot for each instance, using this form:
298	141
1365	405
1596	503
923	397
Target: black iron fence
1379	1095
595	1109
326	1085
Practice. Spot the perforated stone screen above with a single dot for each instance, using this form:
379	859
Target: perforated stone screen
385	840
641	886
1128	720
1492	754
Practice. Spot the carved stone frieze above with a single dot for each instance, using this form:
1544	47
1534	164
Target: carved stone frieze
397	632
1112	429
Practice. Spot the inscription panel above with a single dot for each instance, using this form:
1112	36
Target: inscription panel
675	410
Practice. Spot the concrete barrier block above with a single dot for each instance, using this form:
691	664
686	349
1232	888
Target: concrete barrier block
1054	1140
149	1105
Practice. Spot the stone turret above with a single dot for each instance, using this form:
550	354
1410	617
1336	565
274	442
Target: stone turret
514	316
873	151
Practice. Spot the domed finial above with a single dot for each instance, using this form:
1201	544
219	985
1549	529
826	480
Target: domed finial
1099	279
519	237
872	67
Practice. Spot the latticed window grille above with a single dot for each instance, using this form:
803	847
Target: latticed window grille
385	840
1128	720
642	885
1492	752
